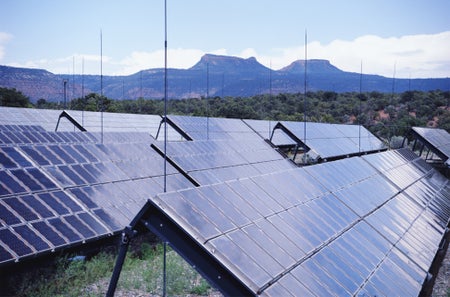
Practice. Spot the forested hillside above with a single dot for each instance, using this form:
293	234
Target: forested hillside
384	114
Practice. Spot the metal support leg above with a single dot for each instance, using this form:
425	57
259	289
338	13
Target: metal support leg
127	235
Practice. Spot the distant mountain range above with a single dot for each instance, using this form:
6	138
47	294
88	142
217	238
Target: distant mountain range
212	76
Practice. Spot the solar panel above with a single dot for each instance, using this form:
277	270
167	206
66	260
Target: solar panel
74	189
221	160
41	120
208	128
348	227
345	139
433	145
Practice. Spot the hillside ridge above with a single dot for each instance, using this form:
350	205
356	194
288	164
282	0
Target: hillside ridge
223	75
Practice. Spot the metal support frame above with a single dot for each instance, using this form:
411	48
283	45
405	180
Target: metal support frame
177	167
175	127
127	234
298	141
430	146
155	220
71	119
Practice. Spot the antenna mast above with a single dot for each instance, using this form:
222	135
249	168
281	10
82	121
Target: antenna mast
165	139
101	84
82	90
360	109
304	97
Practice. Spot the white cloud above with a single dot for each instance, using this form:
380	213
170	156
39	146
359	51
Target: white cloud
65	65
4	38
411	56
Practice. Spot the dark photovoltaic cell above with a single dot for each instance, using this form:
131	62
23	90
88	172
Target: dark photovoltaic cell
49	233
14	243
36	204
7	216
64	229
21	209
11	183
30	236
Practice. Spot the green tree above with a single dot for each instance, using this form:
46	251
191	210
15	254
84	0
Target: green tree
13	98
444	121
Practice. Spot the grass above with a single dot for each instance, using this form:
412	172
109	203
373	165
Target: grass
142	273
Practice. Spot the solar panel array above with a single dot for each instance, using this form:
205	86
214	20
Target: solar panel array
92	121
59	189
322	140
366	226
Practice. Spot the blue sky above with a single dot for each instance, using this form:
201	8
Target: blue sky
411	37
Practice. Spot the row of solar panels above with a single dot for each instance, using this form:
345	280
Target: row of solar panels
347	139
366	226
57	195
45	183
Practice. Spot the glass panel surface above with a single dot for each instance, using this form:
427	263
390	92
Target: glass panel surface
4	255
259	254
26	179
11	183
41	178
272	248
31	237
35	156
190	215
67	201
78	225
6	162
65	230
26	213
54	203
241	261
14	243
90	221
15	155
83	197
7	216
37	206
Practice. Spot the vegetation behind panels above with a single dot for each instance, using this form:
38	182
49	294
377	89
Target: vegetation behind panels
385	115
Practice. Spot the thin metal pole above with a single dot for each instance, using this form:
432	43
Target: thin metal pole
165	95
101	84
360	110
82	91
65	93
73	82
165	137
304	98
207	101
165	269
125	242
